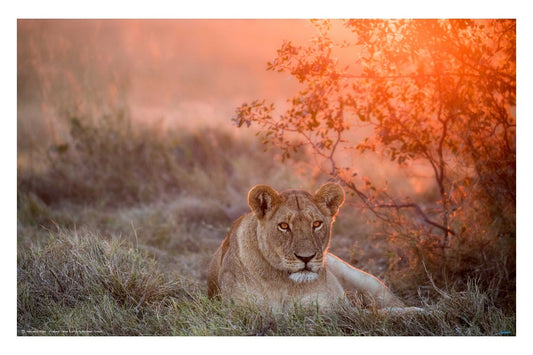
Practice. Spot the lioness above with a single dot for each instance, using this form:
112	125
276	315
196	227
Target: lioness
278	253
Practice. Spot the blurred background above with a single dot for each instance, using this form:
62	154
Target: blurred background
164	75
191	73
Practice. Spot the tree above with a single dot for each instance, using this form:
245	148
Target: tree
441	92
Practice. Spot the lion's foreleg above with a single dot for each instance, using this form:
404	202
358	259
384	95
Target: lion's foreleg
353	279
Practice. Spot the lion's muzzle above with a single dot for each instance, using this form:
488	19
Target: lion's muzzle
307	268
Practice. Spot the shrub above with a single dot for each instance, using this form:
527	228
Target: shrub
111	163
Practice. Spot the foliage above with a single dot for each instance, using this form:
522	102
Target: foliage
434	92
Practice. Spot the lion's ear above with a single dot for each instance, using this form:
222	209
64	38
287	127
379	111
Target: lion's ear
262	199
332	195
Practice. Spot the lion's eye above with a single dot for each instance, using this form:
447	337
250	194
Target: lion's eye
283	226
317	225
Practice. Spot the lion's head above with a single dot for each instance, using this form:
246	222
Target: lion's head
294	227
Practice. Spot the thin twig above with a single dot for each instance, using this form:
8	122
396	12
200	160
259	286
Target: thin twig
441	292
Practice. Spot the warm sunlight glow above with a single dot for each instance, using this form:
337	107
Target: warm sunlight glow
163	69
164	164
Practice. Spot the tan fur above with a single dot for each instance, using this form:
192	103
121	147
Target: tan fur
262	258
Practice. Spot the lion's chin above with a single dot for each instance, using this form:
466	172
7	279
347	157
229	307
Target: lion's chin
303	276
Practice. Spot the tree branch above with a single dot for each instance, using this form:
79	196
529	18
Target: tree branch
414	206
420	212
405	76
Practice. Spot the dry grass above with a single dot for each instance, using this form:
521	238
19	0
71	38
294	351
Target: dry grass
80	283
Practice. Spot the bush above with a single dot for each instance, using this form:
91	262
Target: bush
111	163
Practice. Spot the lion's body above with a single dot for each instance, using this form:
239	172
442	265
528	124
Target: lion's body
278	254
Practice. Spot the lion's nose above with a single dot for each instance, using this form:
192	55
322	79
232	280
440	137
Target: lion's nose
305	259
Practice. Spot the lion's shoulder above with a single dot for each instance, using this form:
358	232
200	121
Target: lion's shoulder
230	235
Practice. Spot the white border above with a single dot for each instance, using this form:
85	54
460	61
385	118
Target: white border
263	9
